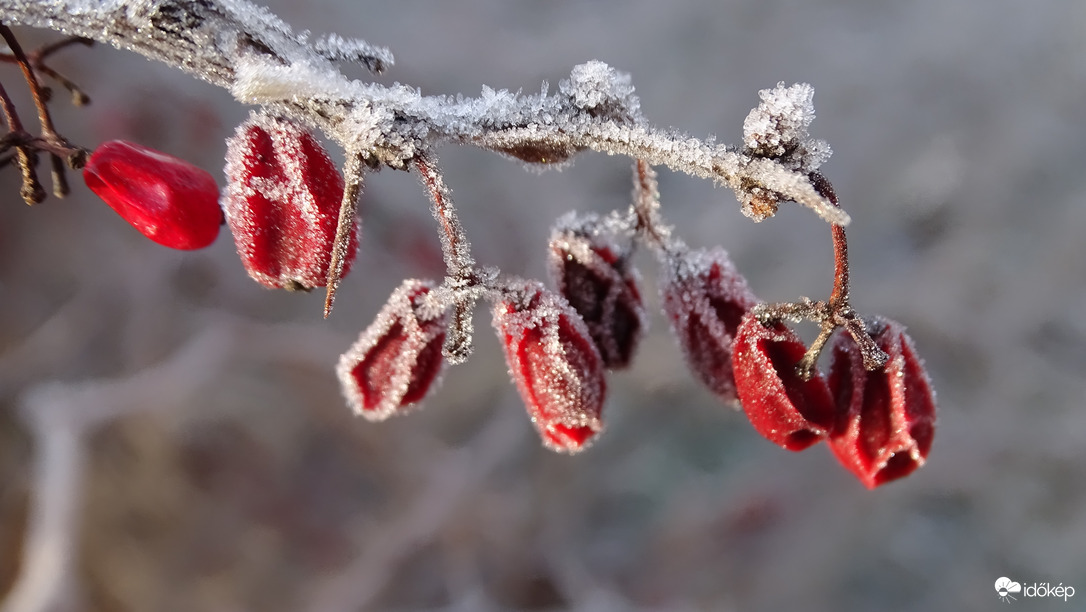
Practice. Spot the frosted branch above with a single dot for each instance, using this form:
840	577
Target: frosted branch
260	60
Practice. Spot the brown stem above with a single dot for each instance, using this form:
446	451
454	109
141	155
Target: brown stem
461	274
837	312
44	118
457	257
348	212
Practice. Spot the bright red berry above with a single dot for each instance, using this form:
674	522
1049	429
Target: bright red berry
397	359
599	283
555	365
784	408
282	202
167	199
885	418
705	298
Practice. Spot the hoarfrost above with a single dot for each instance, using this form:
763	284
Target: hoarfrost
777	127
255	55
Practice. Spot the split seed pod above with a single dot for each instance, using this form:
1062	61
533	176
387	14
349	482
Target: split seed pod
282	203
705	298
784	408
885	418
397	359
555	365
591	272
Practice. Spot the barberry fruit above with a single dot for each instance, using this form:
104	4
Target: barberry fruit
554	363
784	408
705	298
397	359
885	418
593	274
282	203
167	199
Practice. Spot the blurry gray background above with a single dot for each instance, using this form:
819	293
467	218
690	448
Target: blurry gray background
234	477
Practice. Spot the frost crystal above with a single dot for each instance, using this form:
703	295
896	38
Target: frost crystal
777	128
397	359
555	365
595	86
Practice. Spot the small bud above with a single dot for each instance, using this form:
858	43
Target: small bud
600	285
885	418
167	199
397	359
282	203
555	365
705	298
784	408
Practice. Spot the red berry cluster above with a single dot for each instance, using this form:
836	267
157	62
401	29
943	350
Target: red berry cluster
283	203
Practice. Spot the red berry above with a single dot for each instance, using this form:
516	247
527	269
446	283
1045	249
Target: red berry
555	365
282	202
787	410
167	199
397	359
705	298
885	418
600	285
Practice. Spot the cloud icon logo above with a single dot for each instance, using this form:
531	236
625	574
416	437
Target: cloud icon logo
1005	587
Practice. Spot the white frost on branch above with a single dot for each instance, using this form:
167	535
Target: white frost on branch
244	48
777	128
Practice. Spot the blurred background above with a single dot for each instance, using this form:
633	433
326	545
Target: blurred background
172	435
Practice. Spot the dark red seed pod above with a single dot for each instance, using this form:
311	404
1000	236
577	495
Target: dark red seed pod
787	410
167	199
397	359
589	270
555	365
885	418
282	203
705	298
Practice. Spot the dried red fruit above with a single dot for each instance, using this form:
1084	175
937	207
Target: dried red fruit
885	418
397	359
600	285
784	408
282	203
555	364
167	199
705	298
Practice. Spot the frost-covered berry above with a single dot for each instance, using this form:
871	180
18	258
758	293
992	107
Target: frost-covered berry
599	283
885	418
397	359
705	298
167	199
784	408
554	364
282	203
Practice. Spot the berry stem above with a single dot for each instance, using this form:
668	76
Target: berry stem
648	224
837	312
461	275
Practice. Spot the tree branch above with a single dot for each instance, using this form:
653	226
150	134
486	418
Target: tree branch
247	50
